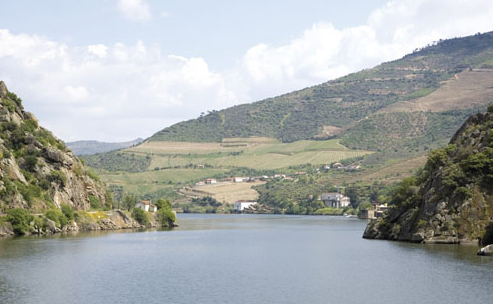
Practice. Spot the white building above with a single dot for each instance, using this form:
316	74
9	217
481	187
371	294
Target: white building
335	200
240	179
146	206
211	181
241	205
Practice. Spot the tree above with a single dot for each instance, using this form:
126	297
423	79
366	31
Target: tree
166	217
163	204
129	202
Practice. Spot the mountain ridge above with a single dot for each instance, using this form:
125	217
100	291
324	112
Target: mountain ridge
340	103
89	147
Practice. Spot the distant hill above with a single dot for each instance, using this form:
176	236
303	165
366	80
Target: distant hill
89	147
388	107
450	200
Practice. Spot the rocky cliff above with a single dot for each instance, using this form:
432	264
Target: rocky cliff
37	171
451	199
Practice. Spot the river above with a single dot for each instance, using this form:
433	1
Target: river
240	259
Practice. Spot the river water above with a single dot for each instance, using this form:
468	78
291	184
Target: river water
240	259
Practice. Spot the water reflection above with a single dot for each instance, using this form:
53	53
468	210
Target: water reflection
282	259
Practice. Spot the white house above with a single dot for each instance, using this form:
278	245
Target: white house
335	200
241	205
146	206
211	181
240	179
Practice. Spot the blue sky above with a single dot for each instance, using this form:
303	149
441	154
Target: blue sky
115	70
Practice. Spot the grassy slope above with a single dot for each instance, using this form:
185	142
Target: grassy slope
341	102
263	155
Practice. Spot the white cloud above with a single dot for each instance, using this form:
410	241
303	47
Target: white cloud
324	52
99	50
108	92
121	91
135	10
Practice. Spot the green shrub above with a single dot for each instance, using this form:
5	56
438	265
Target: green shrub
15	98
29	125
19	218
9	104
140	216
94	201
67	211
92	175
30	162
57	177
9	188
57	216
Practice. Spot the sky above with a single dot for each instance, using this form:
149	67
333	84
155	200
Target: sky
116	70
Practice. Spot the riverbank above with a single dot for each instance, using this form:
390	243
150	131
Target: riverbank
85	221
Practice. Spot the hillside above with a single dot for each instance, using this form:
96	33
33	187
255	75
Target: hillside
451	199
89	147
384	120
37	171
392	93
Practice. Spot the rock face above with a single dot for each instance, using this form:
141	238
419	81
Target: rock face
451	200
37	171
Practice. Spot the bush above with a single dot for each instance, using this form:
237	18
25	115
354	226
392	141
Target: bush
140	216
57	177
57	216
19	218
67	211
94	201
30	162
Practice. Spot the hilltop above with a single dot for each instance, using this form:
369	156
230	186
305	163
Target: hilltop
451	199
386	104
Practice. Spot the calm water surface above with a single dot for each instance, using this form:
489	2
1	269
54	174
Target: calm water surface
241	259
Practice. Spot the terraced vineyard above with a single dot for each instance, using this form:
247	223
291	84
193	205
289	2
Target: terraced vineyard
259	155
175	164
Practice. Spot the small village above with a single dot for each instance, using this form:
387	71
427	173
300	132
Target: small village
332	200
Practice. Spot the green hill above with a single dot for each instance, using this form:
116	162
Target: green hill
340	108
383	120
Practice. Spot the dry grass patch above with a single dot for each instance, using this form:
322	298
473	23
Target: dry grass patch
229	192
467	89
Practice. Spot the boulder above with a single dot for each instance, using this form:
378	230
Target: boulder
488	250
13	171
51	226
57	156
